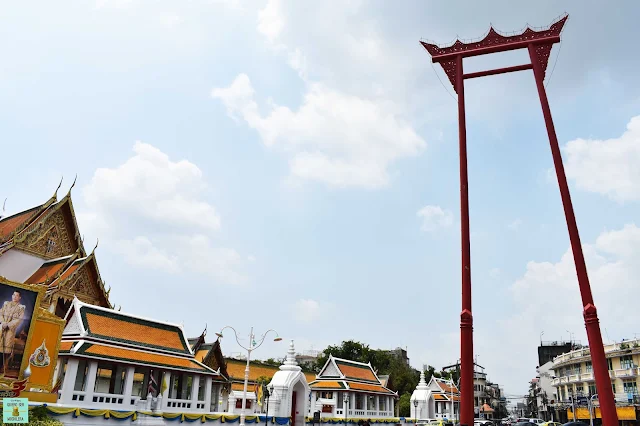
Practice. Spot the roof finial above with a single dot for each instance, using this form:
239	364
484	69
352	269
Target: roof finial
4	206
55	194
97	242
72	185
422	384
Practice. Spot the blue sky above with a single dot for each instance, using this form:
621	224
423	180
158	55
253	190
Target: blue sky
294	166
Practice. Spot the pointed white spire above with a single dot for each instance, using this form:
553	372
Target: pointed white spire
422	384
290	362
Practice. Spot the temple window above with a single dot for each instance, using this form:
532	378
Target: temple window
215	390
81	376
359	401
201	386
51	244
371	402
247	405
111	378
340	396
326	395
383	406
180	386
140	382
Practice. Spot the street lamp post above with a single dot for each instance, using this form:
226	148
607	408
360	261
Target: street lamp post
346	405
253	345
268	391
415	411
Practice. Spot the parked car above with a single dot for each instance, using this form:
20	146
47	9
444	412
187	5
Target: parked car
575	424
551	424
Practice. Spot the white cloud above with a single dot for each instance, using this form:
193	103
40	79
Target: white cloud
608	167
547	298
334	138
515	224
141	252
309	310
434	217
152	187
270	20
162	202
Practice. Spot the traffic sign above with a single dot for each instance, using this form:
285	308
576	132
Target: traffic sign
15	410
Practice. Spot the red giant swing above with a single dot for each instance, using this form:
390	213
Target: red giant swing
539	44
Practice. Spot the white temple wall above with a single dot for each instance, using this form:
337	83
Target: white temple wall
16	265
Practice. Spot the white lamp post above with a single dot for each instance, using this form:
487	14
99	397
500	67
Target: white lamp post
253	345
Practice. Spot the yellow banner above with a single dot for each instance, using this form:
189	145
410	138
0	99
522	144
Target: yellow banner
624	413
42	350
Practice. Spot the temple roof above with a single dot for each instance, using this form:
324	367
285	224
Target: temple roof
235	369
9	224
96	350
111	326
101	333
30	232
50	270
347	369
447	386
320	385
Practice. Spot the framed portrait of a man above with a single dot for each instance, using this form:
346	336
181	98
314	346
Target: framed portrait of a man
18	307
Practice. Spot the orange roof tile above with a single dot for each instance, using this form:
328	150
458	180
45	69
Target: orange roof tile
368	387
235	368
136	331
309	376
70	270
139	357
201	354
46	271
356	371
66	346
11	223
446	387
237	386
439	397
327	384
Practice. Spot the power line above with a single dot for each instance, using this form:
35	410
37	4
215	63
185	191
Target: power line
445	87
554	65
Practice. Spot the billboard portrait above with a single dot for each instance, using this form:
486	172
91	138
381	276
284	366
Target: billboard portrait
18	305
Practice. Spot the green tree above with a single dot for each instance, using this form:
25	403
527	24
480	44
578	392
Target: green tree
404	405
402	378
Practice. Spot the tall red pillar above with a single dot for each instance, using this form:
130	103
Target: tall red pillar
590	313
539	44
466	317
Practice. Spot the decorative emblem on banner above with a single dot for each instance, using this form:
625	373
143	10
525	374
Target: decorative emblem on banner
13	390
40	358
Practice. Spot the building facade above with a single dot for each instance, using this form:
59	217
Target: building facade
113	360
350	390
573	378
43	246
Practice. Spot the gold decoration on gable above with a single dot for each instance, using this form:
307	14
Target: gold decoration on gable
80	285
49	238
